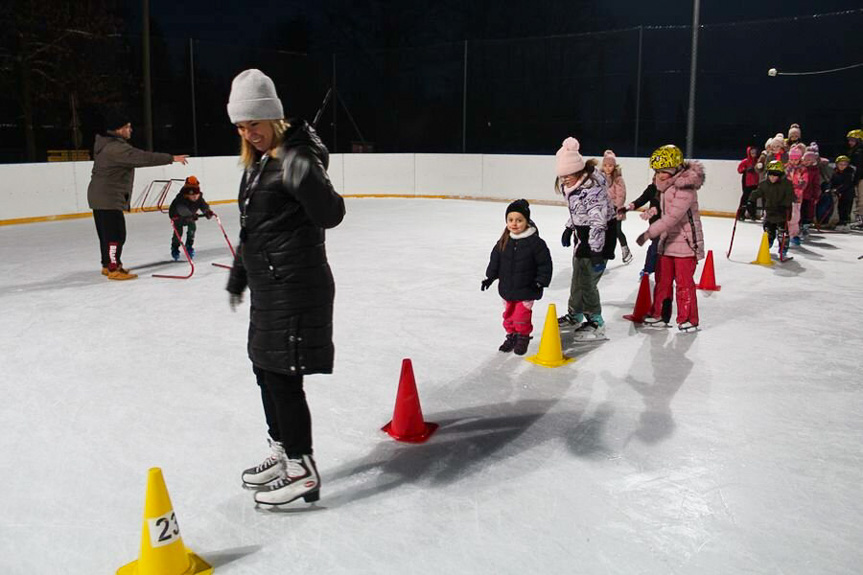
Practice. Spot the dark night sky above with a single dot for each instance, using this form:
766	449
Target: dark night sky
401	68
422	22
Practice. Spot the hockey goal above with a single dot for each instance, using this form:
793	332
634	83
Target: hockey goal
155	197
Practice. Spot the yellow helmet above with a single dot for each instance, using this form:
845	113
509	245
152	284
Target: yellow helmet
666	157
858	134
843	159
775	166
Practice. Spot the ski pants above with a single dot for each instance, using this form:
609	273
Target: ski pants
517	316
191	228
680	271
583	291
772	228
846	200
807	211
111	229
747	207
860	198
286	410
794	221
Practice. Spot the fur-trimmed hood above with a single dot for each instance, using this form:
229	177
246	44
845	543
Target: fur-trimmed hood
691	177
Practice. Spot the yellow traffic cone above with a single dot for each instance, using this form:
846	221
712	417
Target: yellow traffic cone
763	258
550	351
162	549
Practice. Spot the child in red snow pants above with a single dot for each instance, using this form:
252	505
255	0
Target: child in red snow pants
516	317
681	271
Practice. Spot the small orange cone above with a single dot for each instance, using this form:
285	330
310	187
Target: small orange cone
708	275
162	549
407	423
763	258
550	349
642	302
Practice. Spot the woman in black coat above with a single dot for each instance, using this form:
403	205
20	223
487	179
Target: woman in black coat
286	202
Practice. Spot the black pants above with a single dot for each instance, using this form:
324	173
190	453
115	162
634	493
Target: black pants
747	208
191	228
772	230
846	200
111	228
620	237
286	410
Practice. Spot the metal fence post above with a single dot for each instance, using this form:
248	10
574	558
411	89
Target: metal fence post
464	105
194	110
148	97
638	90
693	68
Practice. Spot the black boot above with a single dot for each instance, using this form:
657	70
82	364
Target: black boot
521	342
509	343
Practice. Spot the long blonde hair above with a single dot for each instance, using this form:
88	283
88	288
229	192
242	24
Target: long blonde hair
249	155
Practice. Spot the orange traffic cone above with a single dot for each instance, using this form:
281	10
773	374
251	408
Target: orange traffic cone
550	349
708	275
162	549
642	302
407	423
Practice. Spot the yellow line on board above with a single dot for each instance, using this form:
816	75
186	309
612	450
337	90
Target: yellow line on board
33	220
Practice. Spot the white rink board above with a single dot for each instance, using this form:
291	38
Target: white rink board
55	189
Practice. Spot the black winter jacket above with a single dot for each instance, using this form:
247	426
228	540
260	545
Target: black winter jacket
777	199
843	182
649	196
582	248
286	203
521	267
185	209
855	154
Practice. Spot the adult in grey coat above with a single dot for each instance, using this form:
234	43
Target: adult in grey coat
110	189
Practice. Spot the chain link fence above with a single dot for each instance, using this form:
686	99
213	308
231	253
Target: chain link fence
622	89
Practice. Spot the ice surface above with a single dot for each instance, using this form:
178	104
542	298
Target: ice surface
734	450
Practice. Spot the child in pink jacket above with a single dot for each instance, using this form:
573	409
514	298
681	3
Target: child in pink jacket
617	193
797	174
681	240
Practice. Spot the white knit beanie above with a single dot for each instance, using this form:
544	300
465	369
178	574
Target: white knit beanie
253	97
569	161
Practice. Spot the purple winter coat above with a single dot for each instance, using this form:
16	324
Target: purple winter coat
679	228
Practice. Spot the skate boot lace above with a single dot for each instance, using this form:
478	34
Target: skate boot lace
273	459
294	469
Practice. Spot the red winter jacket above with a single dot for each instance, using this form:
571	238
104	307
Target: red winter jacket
812	191
747	168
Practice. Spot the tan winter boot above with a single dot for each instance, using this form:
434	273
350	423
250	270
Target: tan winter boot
121	274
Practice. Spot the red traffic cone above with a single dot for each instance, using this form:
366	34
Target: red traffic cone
708	276
642	302
408	424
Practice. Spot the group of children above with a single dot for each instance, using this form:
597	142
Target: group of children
818	187
596	199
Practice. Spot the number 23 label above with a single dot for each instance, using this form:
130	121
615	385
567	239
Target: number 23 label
164	530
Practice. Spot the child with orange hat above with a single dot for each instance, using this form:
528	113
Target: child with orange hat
183	212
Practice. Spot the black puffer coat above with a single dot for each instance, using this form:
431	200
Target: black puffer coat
522	266
286	203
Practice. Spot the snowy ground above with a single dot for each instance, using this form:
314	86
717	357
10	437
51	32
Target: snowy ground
734	450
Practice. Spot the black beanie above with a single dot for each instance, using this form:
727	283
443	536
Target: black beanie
520	206
116	118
